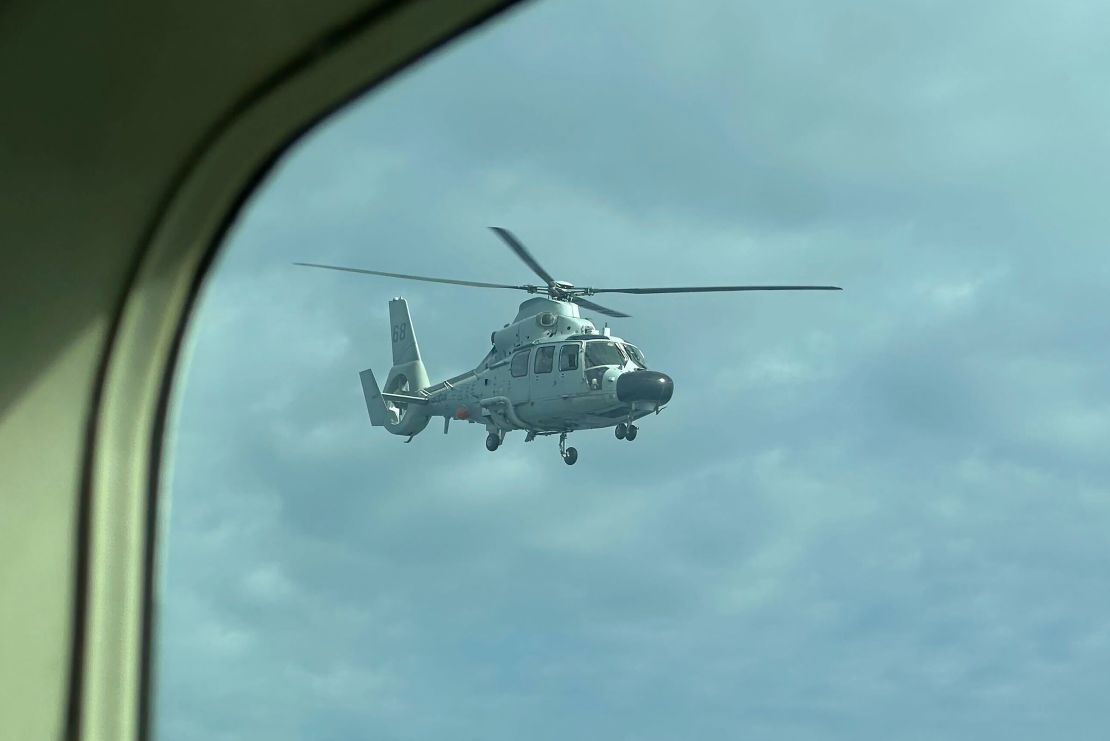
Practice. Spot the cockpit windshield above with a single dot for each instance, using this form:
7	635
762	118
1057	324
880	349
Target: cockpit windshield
603	353
635	355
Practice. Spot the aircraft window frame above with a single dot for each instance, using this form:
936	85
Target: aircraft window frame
549	351
563	354
522	365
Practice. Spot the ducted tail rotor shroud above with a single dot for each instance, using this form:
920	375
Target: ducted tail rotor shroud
398	385
562	290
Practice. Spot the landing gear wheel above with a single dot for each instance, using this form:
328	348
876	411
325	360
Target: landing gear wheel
631	434
570	455
621	430
493	441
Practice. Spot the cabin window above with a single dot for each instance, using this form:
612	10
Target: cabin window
545	358
520	364
568	357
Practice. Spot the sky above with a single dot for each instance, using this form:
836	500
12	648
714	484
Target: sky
881	513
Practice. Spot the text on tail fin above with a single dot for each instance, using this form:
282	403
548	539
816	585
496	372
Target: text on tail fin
405	349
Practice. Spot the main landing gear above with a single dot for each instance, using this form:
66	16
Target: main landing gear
626	431
570	455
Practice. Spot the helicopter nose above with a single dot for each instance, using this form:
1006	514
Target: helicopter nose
645	385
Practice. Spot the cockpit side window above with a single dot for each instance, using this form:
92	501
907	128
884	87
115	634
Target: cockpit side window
519	368
603	353
568	357
545	357
635	355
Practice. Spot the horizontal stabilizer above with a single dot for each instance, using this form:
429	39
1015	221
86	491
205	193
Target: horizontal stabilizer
375	404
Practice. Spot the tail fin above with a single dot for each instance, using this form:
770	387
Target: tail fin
408	374
405	349
375	404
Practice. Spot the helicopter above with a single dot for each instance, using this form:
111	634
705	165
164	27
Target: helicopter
549	372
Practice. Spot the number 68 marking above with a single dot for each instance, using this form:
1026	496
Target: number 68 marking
400	331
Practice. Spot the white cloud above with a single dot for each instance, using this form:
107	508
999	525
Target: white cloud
269	584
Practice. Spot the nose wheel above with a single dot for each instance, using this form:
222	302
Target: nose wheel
626	431
493	441
570	455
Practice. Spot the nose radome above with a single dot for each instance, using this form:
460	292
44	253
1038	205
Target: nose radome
645	385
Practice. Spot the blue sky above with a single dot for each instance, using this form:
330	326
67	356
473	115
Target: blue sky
874	514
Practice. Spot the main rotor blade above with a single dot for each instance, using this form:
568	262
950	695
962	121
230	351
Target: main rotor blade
714	289
599	308
523	253
474	283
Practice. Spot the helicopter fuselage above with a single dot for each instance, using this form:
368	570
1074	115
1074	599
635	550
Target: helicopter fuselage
552	371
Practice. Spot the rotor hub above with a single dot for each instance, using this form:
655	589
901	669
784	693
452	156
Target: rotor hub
561	289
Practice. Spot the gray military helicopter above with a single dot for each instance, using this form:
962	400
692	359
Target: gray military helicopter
549	372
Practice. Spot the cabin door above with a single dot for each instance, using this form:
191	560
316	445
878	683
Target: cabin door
520	381
544	378
571	377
